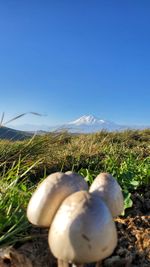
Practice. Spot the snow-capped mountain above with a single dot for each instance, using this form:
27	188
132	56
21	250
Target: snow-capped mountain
90	124
86	120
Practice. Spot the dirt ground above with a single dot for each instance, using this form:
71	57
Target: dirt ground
133	247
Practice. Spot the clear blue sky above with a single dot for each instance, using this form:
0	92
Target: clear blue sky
67	58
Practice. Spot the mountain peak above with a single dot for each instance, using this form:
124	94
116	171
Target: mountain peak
85	119
90	123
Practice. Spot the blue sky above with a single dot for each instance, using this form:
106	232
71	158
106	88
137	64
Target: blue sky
66	58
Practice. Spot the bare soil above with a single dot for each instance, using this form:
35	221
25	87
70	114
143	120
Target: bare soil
133	247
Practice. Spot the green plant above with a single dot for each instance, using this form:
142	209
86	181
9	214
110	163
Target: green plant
15	191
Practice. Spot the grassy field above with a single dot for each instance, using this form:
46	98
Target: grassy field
23	164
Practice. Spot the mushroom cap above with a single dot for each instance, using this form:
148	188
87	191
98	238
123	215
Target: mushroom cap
49	195
75	175
77	178
106	186
82	230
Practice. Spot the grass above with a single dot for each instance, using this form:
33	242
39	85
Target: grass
23	164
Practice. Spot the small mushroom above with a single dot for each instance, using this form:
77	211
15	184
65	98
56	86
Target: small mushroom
49	195
83	230
106	186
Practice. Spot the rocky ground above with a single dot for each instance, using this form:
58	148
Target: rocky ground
133	241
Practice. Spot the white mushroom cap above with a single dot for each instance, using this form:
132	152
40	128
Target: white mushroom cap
82	230
49	195
106	186
79	180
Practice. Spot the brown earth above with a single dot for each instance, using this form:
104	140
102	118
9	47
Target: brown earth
133	247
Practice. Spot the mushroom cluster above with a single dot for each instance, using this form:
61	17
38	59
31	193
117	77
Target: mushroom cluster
80	219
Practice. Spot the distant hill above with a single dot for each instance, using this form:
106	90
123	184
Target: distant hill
11	134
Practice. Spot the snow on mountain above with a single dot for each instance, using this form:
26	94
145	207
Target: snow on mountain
89	124
88	120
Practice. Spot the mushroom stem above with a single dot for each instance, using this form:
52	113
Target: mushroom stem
62	263
77	265
98	264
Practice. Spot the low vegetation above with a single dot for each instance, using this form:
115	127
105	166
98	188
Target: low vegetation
23	164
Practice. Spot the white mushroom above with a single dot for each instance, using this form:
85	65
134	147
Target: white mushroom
106	186
82	230
81	183
49	195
